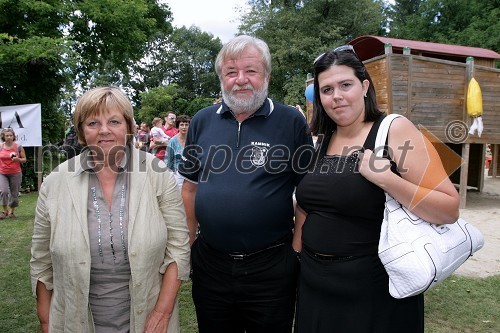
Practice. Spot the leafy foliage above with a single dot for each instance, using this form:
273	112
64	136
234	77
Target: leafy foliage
158	101
51	48
297	31
112	35
34	71
462	22
26	18
186	58
194	53
315	26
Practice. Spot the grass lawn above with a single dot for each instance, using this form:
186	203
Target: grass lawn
459	304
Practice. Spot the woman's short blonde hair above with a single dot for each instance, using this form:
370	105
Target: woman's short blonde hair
102	99
5	130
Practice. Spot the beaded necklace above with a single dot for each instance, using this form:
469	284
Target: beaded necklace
99	224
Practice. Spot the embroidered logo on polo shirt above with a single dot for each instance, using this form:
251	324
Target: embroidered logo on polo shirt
259	153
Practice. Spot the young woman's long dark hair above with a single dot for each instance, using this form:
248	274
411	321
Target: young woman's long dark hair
321	124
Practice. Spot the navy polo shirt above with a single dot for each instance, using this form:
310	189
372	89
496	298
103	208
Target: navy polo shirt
246	173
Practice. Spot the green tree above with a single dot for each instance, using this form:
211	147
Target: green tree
298	31
191	58
186	57
48	47
27	18
158	101
110	36
34	59
462	22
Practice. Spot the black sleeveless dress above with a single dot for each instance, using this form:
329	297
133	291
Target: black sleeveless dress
348	292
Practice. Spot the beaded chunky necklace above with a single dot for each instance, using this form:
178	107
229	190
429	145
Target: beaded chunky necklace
121	214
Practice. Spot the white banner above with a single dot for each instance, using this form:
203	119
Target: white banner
26	121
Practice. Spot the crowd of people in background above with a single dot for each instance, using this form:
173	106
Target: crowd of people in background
165	142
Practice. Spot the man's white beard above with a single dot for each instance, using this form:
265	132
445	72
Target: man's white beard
239	106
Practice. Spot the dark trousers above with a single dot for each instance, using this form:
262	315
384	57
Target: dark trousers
352	296
254	294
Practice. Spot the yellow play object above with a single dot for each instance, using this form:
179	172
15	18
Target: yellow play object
475	106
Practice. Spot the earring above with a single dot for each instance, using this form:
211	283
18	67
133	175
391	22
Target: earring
364	94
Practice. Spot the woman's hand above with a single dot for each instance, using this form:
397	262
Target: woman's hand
17	159
43	299
374	168
44	327
157	322
300	218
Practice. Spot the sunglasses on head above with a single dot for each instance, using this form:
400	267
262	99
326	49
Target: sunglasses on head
342	48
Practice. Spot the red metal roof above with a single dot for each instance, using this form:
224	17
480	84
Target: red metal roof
368	47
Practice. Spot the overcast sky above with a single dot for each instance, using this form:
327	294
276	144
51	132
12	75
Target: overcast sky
219	18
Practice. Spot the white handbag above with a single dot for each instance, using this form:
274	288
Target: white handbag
417	254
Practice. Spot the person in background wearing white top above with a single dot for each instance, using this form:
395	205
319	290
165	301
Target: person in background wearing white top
159	140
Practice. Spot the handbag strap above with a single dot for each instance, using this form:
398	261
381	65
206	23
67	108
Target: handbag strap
380	142
382	133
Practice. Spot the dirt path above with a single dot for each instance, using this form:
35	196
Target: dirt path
483	211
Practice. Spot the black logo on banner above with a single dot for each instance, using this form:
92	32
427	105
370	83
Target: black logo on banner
17	119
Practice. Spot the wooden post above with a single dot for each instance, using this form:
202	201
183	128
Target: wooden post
388	48
480	186
495	154
39	162
464	169
409	103
406	50
388	53
464	173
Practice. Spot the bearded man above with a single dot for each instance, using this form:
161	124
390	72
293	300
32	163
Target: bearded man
242	161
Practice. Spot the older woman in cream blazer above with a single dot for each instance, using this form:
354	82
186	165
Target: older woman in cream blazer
110	243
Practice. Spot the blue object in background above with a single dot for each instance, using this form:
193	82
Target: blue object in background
310	92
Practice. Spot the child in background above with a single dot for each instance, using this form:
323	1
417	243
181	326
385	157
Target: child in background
159	139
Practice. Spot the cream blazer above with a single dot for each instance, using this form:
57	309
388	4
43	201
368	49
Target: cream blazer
60	253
